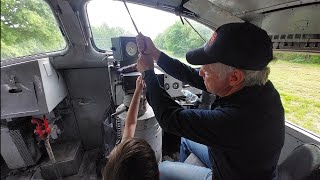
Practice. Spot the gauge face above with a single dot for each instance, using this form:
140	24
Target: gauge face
175	85
131	48
166	86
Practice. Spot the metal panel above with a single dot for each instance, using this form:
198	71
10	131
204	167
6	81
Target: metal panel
10	152
303	20
53	84
18	148
237	7
211	13
174	87
22	73
89	95
68	156
42	88
290	144
24	100
294	137
18	140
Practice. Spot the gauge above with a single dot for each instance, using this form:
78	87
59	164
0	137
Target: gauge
166	86
175	85
131	48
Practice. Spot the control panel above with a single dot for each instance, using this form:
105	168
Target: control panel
174	86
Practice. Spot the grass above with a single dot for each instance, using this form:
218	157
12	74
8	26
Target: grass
295	75
298	57
299	88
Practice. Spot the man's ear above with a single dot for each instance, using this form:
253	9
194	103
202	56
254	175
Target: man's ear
236	77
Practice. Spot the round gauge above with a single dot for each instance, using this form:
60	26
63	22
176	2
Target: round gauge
175	85
166	86
131	48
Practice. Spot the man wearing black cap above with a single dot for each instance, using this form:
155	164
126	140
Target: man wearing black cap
244	130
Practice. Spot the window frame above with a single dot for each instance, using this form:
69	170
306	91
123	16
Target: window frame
93	44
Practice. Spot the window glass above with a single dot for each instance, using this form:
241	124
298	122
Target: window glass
110	19
295	75
28	27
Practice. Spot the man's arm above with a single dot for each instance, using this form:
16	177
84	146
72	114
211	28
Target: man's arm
209	127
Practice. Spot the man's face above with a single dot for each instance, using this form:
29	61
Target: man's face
215	81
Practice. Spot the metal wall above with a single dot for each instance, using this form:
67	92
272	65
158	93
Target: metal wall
89	97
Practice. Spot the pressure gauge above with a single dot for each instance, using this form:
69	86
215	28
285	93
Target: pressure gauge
131	48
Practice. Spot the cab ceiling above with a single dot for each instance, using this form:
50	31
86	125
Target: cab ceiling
291	24
215	13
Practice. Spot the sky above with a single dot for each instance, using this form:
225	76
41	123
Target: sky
149	21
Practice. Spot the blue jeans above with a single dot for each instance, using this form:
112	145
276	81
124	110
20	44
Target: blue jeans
201	151
181	171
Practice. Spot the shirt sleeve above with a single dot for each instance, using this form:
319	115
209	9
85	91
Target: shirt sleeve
181	71
203	126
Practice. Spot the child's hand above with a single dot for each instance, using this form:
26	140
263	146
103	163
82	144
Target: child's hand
139	84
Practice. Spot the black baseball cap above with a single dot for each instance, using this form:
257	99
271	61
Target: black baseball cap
240	45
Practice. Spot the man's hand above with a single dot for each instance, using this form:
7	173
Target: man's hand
144	63
146	46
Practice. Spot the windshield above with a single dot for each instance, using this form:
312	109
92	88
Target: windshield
110	19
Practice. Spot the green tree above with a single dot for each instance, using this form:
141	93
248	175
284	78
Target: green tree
28	27
180	38
102	35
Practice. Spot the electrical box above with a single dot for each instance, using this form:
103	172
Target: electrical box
125	50
30	88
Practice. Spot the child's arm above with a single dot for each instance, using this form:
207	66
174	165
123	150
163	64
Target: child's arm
132	115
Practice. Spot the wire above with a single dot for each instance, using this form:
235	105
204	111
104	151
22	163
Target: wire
195	30
134	24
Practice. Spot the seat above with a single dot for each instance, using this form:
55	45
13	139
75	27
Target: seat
302	163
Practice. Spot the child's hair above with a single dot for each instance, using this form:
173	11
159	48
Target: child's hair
132	159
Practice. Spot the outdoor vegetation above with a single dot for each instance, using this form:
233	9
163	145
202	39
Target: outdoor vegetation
295	76
28	27
102	35
179	38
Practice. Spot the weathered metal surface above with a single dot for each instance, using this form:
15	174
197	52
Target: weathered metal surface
215	15
18	151
68	160
30	88
88	89
18	99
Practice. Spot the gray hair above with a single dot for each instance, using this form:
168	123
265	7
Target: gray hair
256	77
252	77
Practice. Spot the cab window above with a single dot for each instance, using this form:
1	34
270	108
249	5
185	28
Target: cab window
165	29
295	77
28	27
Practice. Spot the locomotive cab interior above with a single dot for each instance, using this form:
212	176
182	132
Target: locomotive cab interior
60	107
